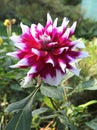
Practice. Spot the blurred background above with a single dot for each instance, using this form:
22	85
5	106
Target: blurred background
35	11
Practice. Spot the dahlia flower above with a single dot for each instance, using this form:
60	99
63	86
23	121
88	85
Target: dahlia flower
48	50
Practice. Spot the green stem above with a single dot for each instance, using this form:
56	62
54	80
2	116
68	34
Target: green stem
72	92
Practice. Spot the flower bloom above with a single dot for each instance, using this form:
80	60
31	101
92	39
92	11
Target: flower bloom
48	51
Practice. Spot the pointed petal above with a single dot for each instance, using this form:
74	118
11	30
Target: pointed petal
14	54
52	44
22	63
25	28
59	51
55	22
65	22
29	60
78	43
18	42
32	70
72	29
49	19
28	78
17	54
49	29
50	59
33	30
72	68
40	27
75	71
65	36
83	55
38	52
70	58
16	39
55	81
62	65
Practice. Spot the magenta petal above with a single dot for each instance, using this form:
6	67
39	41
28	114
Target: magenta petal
72	29
51	60
65	22
40	27
19	42
65	36
22	63
18	54
38	52
62	65
49	29
70	58
73	54
51	75
27	61
32	70
59	51
52	44
54	80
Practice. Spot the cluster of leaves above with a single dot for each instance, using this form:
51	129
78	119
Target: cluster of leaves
39	8
87	29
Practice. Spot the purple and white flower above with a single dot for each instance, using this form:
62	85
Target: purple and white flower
48	50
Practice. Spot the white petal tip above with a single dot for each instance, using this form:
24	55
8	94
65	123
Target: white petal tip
14	66
72	29
84	55
8	54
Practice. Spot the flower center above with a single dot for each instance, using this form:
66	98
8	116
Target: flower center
45	39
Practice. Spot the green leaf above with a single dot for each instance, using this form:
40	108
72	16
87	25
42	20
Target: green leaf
64	121
52	91
16	106
22	119
61	114
60	126
72	127
48	103
39	111
91	84
92	124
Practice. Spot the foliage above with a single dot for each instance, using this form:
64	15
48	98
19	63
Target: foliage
21	8
87	29
72	2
